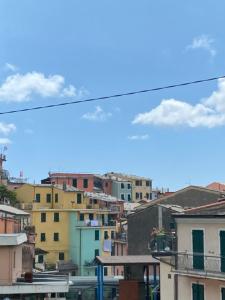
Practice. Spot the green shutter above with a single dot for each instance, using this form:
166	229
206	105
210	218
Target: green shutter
222	293
222	251
96	235
198	249
197	291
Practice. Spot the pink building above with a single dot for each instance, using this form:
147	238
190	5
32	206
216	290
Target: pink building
11	257
17	241
84	182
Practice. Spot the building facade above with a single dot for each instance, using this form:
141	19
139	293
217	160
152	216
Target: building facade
200	259
71	224
141	186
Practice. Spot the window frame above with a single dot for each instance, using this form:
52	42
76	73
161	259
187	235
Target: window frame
43	237
79	198
43	217
56	219
97	235
56	237
48	198
85	183
37	199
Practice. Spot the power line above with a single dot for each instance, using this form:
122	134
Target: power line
112	96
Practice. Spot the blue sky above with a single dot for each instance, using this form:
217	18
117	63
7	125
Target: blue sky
58	50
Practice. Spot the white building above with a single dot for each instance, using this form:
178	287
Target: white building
197	269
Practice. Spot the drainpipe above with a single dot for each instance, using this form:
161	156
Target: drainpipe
5	223
80	251
159	217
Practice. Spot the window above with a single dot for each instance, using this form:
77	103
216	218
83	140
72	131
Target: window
122	185
56	217
122	196
147	183
129	186
147	195
91	217
61	255
38	198
197	291
79	198
96	235
48	198
43	239
112	235
43	217
106	184
128	197
85	183
105	271
222	293
56	198
198	249
140	195
56	236
137	195
96	252
40	259
74	182
95	201
138	183
106	236
81	217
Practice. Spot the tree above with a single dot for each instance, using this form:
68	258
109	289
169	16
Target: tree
7	196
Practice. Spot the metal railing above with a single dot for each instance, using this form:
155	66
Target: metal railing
121	236
198	262
163	243
95	223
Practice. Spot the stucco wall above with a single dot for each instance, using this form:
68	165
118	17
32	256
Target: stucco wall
166	282
10	264
212	288
211	234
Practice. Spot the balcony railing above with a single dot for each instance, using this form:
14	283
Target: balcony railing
198	263
121	236
163	243
95	223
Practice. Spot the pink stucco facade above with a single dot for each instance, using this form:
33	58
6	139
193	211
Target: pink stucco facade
11	264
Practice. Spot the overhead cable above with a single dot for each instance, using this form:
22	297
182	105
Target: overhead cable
112	96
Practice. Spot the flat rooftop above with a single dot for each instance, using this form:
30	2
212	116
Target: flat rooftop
126	260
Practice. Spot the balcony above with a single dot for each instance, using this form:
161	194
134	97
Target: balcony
201	265
95	223
121	236
162	244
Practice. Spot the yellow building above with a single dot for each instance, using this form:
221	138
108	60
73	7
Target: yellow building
70	224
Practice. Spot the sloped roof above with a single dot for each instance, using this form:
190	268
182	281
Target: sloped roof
216	209
12	210
170	199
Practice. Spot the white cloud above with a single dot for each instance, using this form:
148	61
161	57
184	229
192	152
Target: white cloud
22	87
7	128
99	115
5	141
10	67
203	42
209	112
138	137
